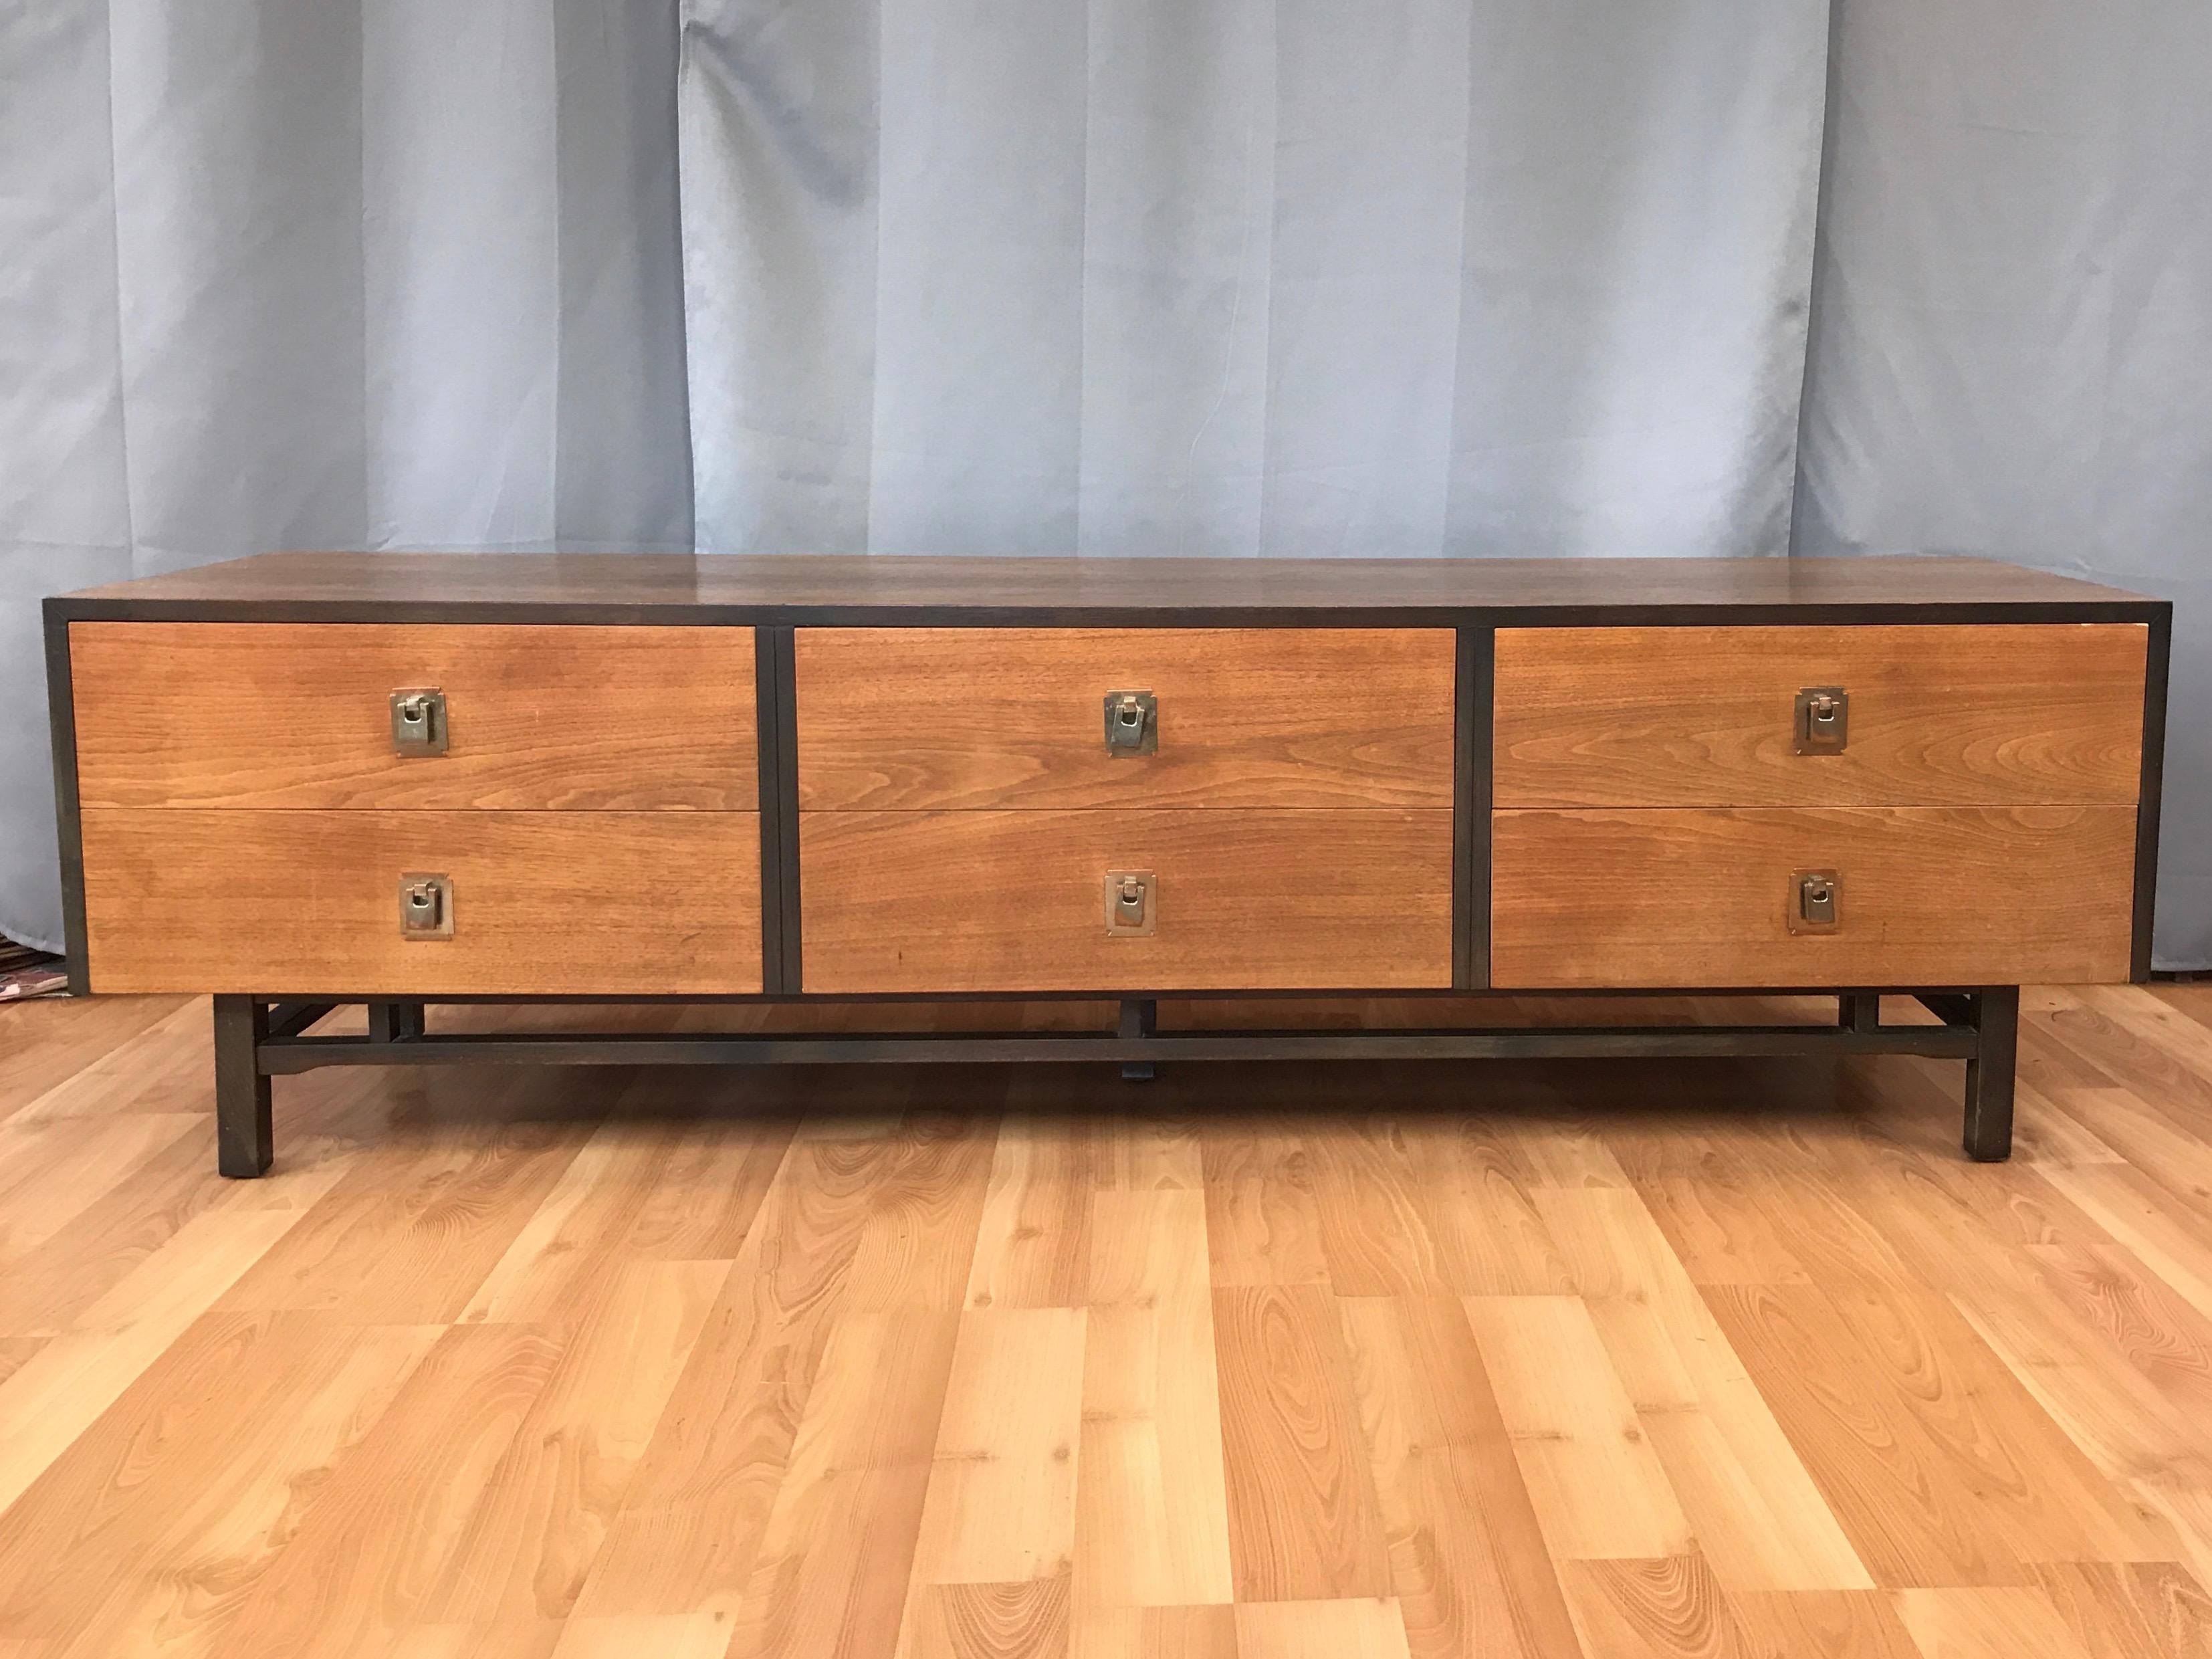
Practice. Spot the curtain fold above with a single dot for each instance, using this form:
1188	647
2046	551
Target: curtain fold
1307	277
1304	277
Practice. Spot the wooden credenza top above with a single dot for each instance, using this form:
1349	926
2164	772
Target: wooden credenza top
822	589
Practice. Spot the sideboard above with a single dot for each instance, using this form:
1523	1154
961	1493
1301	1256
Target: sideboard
305	780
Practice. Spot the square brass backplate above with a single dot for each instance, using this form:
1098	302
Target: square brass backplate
1133	723
426	906
1823	719
1816	902
418	721
1133	904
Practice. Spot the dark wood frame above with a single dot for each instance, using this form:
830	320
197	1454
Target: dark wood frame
263	1036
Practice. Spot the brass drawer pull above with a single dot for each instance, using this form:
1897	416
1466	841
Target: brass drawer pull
1823	714
419	722
1133	904
1133	723
1814	897
426	907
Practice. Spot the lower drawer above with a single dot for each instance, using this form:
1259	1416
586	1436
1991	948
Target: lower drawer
1709	897
1016	900
303	903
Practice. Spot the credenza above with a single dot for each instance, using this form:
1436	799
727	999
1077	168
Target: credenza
305	780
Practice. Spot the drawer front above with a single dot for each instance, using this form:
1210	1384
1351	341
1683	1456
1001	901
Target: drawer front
303	903
259	714
1243	899
932	719
1706	898
2034	714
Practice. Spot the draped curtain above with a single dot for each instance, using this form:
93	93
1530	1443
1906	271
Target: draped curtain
1305	277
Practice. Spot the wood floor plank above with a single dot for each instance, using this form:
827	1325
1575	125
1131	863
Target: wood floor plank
1152	1525
1820	1624
2174	1241
685	1536
1909	1511
1367	1194
166	1511
2019	1623
2148	1610
414	1229
1263	1217
1365	1629
528	1545
535	1640
1668	1608
1025	1620
1304	1523
917	1247
833	1566
1490	1239
708	1189
62	1389
1001	1501
46	1291
1200	1632
543	1275
168	1068
15	1350
1033	1240
1760	1520
371	1545
1598	1487
41	1051
635	1636
52	1171
1468	1559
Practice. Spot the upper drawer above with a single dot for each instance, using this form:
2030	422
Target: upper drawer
299	714
963	718
2026	715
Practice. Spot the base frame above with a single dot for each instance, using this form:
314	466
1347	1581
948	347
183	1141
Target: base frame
259	1038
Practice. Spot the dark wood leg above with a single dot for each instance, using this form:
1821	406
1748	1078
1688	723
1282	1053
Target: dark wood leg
1857	1011
244	1142
1990	1074
395	1022
1139	1019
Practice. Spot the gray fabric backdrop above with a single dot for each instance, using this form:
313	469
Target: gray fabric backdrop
1325	277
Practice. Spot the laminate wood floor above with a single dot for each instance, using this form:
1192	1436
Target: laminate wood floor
1370	1362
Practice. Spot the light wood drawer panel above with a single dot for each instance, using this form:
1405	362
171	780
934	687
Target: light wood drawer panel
968	718
299	715
296	903
2007	714
1928	895
1016	900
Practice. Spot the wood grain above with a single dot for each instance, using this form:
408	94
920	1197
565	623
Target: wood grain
540	1364
544	903
254	714
1001	1500
963	719
1928	895
1668	1608
1598	1488
1152	1524
1320	1629
1046	587
1305	1524
1016	900
1990	715
1987	1624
